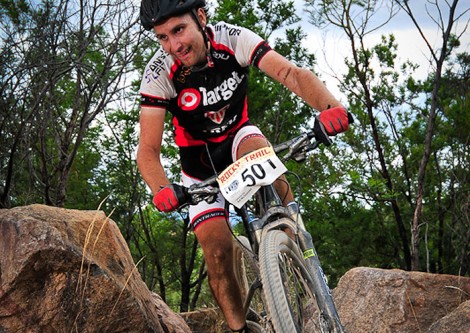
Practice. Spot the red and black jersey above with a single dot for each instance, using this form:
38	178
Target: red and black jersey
209	104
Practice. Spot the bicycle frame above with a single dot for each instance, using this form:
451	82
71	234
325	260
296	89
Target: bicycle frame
270	214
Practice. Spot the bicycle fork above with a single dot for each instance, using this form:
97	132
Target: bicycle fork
323	294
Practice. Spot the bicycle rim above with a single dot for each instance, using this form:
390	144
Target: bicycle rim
287	285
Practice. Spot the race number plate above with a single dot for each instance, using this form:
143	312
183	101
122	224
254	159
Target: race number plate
244	177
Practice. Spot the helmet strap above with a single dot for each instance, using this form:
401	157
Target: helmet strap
210	62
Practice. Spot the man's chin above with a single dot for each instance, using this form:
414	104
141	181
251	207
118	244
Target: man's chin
187	62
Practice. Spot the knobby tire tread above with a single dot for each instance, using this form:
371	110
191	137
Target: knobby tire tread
246	269
274	243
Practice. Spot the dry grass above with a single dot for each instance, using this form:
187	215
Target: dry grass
83	282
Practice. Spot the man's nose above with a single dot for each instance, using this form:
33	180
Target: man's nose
175	44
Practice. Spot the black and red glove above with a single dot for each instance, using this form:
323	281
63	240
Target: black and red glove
331	122
335	120
170	198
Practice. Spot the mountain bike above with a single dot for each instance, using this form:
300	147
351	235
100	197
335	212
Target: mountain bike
276	264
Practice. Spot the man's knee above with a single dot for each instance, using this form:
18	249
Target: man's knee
251	145
248	138
220	257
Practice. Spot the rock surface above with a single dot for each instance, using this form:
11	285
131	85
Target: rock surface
209	320
388	301
71	271
455	322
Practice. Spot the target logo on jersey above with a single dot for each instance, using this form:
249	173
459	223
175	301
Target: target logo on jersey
189	99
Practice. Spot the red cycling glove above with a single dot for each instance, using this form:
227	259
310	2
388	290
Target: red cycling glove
170	198
335	120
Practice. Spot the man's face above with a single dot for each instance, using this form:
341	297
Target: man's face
180	37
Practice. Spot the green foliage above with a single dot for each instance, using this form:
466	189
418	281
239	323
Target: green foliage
84	191
387	146
56	81
163	242
262	16
13	11
65	125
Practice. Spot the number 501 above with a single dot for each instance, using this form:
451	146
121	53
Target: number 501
254	172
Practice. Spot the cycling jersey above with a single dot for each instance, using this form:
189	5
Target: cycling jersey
210	104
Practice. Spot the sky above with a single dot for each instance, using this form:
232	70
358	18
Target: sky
331	47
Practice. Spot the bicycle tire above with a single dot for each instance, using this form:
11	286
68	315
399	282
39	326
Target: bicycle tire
287	284
245	266
246	272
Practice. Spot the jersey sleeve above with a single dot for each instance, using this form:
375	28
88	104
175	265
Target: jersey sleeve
156	87
249	47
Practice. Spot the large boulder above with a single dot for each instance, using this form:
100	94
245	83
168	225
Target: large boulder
388	301
71	271
372	300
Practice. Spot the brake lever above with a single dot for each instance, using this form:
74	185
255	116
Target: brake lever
205	193
296	147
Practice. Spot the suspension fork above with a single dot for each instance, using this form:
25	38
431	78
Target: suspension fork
267	204
322	291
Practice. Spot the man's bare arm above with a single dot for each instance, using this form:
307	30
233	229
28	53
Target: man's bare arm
148	154
300	81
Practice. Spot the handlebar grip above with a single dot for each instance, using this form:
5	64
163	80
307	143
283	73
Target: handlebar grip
320	132
350	118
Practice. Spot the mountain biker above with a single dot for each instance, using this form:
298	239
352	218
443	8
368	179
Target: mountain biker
199	75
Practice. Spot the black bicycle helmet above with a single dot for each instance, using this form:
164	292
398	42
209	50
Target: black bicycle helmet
155	11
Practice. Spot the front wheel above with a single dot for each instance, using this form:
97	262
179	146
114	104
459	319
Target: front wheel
288	286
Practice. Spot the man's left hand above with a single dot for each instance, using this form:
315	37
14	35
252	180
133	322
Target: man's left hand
335	120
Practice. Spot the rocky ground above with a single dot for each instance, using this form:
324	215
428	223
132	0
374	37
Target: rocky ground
71	271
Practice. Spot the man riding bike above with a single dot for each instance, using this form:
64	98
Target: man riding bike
199	75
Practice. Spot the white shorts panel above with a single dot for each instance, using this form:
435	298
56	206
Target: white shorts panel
243	134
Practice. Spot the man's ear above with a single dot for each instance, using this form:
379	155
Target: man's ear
201	14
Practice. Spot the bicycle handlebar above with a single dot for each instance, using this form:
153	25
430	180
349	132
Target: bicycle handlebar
295	148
